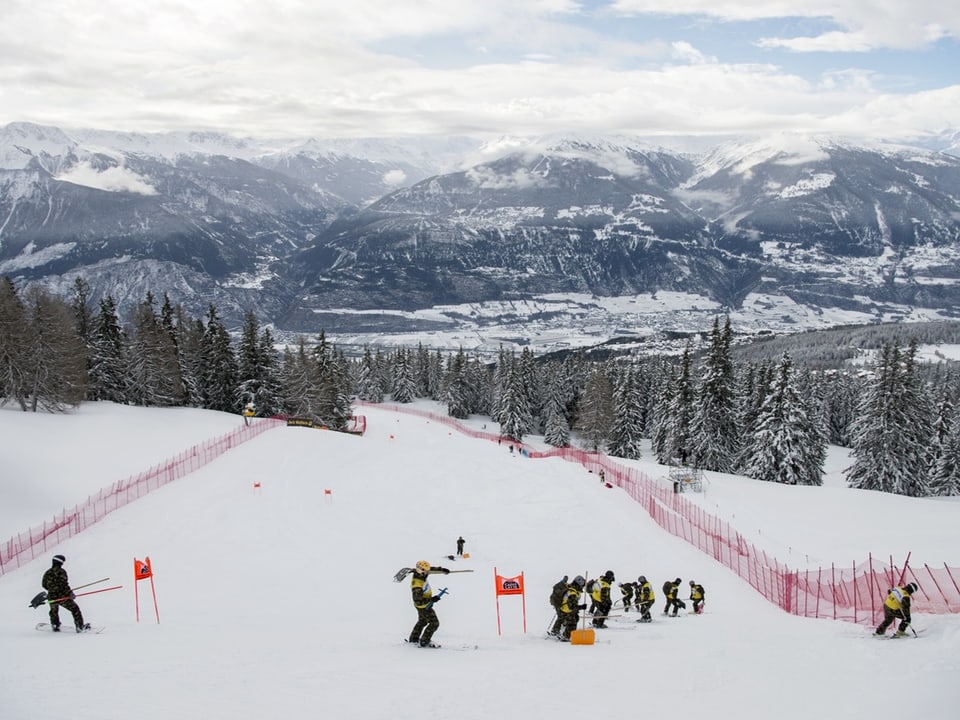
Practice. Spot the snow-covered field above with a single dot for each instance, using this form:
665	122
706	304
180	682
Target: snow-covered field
282	602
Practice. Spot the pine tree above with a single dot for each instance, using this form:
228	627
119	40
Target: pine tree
627	430
556	430
713	426
108	366
596	409
257	372
367	382
14	343
892	430
785	447
671	440
56	359
297	387
404	379
945	479
219	373
515	418
456	386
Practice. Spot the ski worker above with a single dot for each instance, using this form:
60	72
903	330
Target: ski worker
460	542
897	605
626	590
601	599
571	606
423	601
556	600
697	595
671	589
57	585
645	599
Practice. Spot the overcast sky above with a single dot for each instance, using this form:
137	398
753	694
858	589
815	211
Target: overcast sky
285	68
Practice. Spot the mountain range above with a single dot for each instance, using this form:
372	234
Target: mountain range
550	242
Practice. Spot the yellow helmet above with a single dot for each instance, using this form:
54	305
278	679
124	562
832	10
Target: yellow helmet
423	567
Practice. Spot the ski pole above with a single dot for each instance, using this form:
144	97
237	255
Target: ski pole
92	583
456	571
92	592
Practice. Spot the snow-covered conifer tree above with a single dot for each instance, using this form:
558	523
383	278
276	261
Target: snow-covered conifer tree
713	427
627	429
784	446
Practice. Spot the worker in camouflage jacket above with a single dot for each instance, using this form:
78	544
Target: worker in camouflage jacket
423	601
626	591
57	585
645	599
571	606
601	599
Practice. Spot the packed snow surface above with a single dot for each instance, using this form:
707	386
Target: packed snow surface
280	601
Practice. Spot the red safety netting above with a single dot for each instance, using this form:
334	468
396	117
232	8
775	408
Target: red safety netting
25	546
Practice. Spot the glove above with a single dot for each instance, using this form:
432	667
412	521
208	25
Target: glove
446	571
72	595
436	599
583	606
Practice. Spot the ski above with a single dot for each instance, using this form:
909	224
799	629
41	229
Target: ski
70	630
438	646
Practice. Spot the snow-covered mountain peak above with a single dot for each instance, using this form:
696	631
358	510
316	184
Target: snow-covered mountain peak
20	142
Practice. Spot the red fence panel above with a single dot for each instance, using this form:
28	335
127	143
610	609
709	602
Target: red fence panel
25	546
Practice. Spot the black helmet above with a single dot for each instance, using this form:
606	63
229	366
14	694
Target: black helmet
59	559
608	575
579	581
678	581
642	579
692	583
911	588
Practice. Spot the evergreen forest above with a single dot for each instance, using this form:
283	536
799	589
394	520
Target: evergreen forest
766	409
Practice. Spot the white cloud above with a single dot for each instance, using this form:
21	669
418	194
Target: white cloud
113	179
298	68
394	177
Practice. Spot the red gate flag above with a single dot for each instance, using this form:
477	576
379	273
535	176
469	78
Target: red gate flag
142	569
510	586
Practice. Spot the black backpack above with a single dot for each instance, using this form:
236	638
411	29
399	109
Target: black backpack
556	595
667	587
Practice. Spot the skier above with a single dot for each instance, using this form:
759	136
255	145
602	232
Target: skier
460	542
897	605
645	599
57	585
671	589
601	599
697	595
571	606
557	593
626	590
423	601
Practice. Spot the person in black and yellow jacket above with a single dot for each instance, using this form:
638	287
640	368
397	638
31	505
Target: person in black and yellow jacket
897	605
423	601
671	590
570	607
601	599
645	599
697	596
